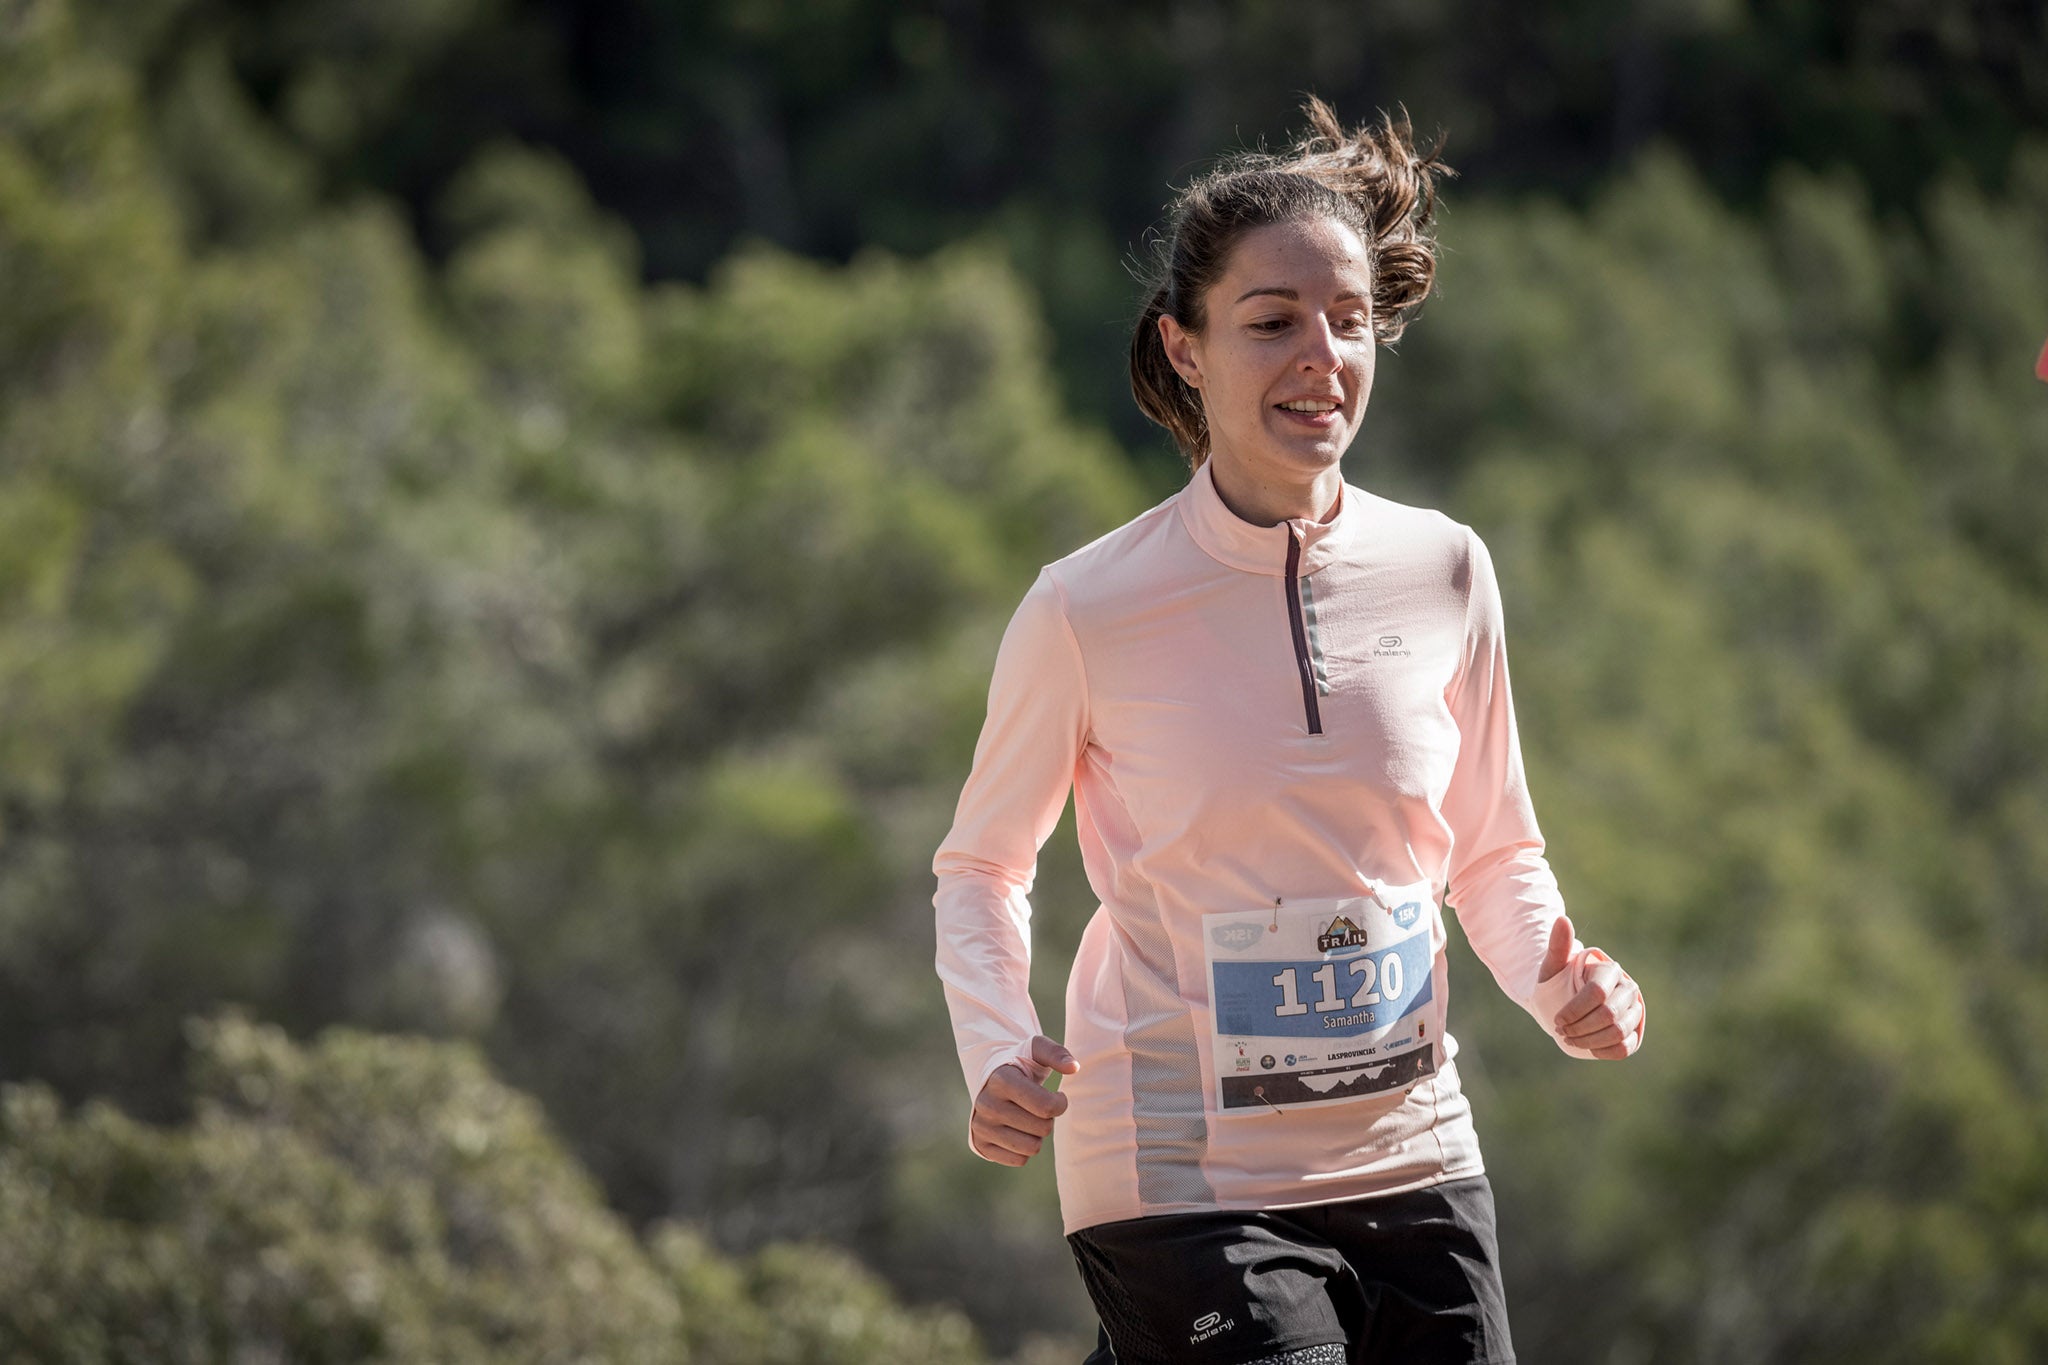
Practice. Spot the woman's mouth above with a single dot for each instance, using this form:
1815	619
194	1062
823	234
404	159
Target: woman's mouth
1315	413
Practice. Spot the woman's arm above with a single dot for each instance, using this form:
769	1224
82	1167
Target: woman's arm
1023	767
1499	881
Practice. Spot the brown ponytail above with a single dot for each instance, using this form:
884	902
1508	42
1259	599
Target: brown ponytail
1373	179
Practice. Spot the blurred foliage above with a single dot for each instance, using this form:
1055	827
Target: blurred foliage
1759	493
377	1199
481	642
826	128
502	649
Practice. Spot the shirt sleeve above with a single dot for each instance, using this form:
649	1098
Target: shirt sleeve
1499	883
1023	767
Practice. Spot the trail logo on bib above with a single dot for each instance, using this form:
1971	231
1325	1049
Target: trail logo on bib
1341	934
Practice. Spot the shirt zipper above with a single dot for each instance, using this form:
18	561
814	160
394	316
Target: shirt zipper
1302	665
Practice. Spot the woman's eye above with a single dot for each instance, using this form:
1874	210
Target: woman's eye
1354	324
1269	325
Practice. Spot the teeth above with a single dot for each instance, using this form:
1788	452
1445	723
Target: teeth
1310	405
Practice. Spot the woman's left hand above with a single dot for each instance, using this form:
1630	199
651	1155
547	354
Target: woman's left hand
1605	1014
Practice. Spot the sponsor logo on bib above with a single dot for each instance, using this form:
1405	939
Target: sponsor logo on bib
1237	936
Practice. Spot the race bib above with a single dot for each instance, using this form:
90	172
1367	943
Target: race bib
1317	1002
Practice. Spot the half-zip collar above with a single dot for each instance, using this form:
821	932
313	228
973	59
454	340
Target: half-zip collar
1297	623
1229	539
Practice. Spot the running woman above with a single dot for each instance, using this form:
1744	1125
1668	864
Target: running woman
1282	705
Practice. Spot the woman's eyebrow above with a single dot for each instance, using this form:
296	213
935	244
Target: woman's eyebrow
1282	292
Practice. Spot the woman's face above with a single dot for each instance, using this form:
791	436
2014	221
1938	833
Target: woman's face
1284	361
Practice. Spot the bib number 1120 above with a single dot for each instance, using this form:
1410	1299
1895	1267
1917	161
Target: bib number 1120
1383	972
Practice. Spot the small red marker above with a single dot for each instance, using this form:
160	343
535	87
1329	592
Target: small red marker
2041	365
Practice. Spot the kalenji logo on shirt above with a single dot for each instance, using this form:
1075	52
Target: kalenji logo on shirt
1209	1325
1389	647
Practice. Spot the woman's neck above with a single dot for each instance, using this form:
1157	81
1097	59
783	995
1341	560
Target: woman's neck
1267	501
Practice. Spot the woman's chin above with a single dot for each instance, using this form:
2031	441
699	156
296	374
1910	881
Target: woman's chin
1313	453
1287	455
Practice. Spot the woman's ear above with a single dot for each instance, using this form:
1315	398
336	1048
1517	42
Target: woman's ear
1179	345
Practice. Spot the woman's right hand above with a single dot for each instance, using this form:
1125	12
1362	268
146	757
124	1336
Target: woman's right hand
1013	1113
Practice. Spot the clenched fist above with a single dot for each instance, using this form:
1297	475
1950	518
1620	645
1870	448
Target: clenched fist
1599	1008
1013	1114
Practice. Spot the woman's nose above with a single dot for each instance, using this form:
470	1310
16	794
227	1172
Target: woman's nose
1319	349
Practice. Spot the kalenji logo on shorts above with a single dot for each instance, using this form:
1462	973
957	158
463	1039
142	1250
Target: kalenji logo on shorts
1209	1325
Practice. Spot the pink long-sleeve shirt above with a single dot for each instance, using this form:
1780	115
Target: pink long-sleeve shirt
1288	747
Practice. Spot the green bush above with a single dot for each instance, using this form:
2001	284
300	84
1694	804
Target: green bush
372	1198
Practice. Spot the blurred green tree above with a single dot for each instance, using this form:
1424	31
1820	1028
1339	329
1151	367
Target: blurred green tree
830	128
380	1199
500	650
1780	652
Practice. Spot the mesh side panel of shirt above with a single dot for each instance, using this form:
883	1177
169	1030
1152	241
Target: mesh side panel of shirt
1168	1109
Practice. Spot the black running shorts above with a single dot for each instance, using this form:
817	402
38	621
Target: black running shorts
1412	1278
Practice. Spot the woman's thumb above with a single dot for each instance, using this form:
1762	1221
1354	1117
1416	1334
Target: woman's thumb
1047	1053
1558	954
